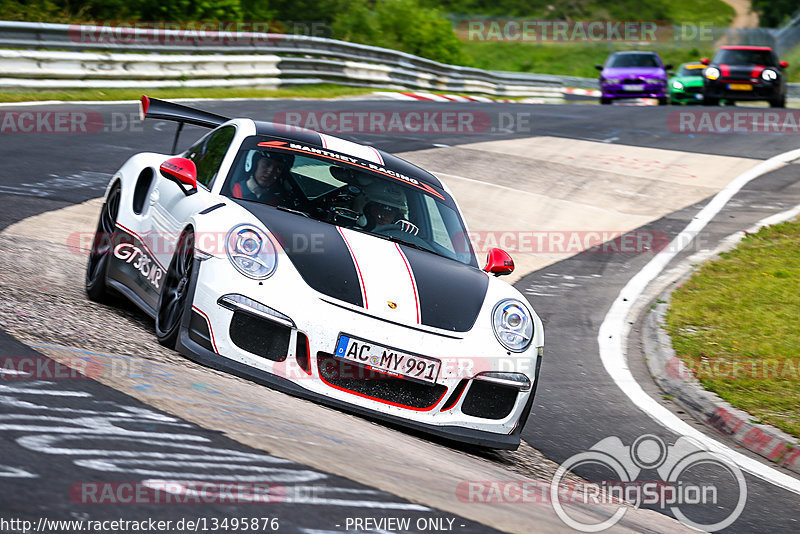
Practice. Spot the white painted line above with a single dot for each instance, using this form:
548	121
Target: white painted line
12	372
615	329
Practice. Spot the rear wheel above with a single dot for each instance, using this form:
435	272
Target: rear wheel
173	297
100	253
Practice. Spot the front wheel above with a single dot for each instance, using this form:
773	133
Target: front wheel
173	297
778	102
100	252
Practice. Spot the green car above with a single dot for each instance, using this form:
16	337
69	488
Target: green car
686	87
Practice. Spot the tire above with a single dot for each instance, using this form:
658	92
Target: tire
710	101
172	302
605	101
778	102
663	101
97	267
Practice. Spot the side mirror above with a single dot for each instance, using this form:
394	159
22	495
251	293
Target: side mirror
668	66
705	61
182	171
499	263
599	67
783	64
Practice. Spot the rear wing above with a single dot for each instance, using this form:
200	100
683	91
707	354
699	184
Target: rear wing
153	108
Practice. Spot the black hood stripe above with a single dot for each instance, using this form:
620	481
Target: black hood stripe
317	250
450	294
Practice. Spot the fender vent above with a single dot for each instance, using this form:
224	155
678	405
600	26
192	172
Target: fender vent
259	336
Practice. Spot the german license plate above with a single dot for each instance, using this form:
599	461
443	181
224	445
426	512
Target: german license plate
633	87
387	360
740	87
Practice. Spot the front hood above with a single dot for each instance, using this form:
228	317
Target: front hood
389	280
633	72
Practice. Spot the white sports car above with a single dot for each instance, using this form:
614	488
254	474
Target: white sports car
322	268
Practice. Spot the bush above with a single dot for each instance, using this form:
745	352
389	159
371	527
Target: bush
401	25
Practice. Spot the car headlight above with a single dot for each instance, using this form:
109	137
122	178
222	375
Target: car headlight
677	85
712	73
653	80
251	252
769	75
512	325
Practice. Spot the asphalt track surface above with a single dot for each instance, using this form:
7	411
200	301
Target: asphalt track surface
576	406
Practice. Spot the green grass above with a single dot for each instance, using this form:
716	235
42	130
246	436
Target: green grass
310	91
715	13
566	59
735	324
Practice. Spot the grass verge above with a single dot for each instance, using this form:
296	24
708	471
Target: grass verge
734	324
309	91
565	59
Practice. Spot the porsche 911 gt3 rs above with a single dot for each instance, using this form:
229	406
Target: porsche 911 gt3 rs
322	268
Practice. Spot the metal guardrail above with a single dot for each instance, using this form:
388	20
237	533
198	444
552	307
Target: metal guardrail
44	55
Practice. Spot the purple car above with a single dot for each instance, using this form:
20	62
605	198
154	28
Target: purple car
633	75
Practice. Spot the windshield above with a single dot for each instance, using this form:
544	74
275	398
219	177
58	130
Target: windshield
691	69
633	60
352	193
744	57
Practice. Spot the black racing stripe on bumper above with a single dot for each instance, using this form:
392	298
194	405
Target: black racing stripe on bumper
316	250
451	294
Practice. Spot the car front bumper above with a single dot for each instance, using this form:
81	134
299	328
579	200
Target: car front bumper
458	406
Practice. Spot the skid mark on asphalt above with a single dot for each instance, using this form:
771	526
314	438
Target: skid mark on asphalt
56	185
553	288
115	438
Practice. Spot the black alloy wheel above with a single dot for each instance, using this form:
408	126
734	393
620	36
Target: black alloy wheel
175	291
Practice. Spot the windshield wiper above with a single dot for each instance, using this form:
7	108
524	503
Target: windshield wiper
296	212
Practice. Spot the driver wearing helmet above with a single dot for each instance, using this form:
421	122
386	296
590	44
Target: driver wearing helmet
268	182
385	205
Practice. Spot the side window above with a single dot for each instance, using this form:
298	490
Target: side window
209	152
438	227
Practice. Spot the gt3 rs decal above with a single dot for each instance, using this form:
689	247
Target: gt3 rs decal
134	252
150	271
